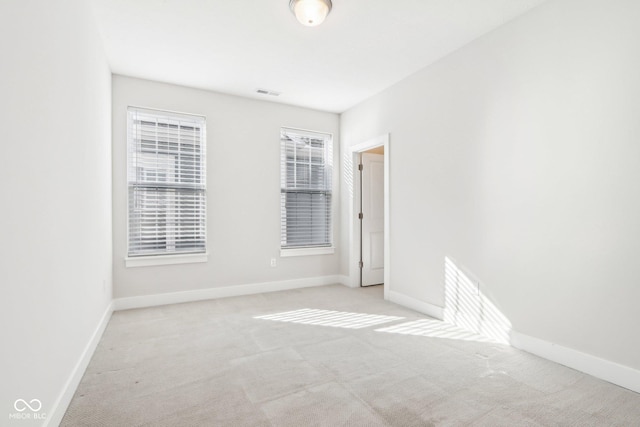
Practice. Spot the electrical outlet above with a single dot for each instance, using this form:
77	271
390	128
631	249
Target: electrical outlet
274	263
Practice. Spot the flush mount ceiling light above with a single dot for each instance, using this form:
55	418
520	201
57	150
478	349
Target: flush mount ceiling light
310	12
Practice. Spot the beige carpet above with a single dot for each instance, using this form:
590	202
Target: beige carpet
328	356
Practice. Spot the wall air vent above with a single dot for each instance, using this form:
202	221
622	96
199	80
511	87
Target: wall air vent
267	92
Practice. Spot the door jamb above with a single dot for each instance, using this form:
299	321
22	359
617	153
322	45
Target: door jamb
354	237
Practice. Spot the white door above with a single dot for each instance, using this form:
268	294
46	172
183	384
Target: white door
372	208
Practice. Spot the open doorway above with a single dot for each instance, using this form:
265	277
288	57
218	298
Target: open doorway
371	216
369	224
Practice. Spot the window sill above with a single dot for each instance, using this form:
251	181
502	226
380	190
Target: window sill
146	261
306	251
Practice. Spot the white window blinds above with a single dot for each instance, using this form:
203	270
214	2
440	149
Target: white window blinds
305	196
167	183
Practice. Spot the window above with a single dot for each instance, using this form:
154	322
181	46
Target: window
166	180
305	196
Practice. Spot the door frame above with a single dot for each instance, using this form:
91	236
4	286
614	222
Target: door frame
354	208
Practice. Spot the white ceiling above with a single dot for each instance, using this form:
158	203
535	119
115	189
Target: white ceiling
236	47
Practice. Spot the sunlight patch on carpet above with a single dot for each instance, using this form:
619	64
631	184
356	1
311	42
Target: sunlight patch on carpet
434	329
336	319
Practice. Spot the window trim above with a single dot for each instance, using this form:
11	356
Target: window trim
310	250
166	258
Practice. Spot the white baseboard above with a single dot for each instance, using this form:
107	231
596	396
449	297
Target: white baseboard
417	305
54	417
612	372
221	292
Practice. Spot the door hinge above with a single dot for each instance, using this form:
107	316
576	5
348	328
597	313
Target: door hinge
360	167
361	264
360	215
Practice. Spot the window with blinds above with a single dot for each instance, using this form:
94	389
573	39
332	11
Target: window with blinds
305	196
166	179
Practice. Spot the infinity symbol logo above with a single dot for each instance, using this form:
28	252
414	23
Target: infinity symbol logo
22	405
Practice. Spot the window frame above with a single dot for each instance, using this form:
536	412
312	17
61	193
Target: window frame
175	257
310	249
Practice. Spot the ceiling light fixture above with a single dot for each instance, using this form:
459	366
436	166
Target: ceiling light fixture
310	12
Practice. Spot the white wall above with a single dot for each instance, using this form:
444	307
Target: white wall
55	219
243	185
519	156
